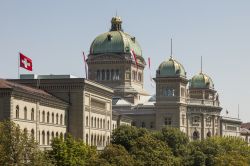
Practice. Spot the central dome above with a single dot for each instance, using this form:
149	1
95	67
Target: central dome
115	41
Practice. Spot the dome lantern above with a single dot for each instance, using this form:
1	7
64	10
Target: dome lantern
116	24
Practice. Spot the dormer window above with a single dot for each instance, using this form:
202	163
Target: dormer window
109	37
133	39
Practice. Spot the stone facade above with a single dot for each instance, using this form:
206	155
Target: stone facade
35	111
192	105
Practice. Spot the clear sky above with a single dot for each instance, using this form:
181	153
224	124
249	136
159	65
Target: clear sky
54	34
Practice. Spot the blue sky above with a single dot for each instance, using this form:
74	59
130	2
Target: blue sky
54	33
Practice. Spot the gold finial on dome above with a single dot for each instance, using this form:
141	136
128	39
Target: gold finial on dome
116	24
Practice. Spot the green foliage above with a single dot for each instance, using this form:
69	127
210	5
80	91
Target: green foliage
175	139
117	155
18	148
147	150
124	134
70	152
220	151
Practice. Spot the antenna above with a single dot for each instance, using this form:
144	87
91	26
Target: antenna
116	12
171	55
238	111
201	64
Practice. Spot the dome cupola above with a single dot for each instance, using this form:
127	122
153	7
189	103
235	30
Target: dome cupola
115	41
171	68
201	81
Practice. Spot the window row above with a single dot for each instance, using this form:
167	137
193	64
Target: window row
97	123
54	118
108	74
97	140
143	124
26	114
136	76
46	137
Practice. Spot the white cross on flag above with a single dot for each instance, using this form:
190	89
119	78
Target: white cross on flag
25	62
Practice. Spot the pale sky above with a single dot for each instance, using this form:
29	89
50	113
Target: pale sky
54	34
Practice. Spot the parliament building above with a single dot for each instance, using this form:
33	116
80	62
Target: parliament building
49	106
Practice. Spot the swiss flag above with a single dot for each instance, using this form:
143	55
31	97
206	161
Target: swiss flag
25	62
135	58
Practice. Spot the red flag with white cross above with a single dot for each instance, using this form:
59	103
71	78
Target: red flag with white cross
25	62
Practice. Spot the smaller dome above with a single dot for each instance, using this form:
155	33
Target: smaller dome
171	68
201	80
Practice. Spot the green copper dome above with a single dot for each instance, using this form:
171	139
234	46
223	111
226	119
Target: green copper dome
171	68
201	80
115	41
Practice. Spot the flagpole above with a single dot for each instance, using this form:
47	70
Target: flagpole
18	67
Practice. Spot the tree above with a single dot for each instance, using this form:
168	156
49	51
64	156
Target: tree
117	155
221	151
71	152
124	135
147	150
175	139
18	148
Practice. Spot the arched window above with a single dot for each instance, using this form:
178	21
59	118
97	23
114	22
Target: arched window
113	126
61	119
95	140
48	138
32	114
52	135
196	135
103	74
108	124
117	74
101	124
25	112
92	140
39	137
43	116
47	117
25	131
17	111
92	121
98	75
43	137
95	122
112	74
209	134
103	140
52	118
104	123
32	134
87	139
61	135
139	77
98	123
57	134
57	118
108	140
87	121
107	75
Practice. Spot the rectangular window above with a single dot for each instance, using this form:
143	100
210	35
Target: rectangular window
168	121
